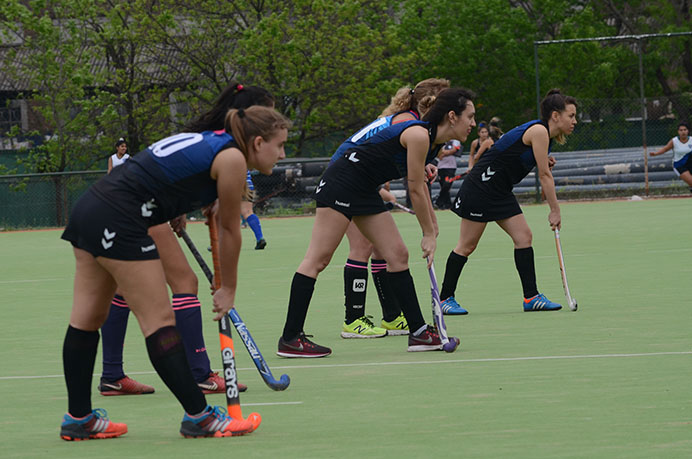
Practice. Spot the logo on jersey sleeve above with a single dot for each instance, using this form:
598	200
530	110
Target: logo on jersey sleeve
107	239
352	157
319	187
146	208
487	175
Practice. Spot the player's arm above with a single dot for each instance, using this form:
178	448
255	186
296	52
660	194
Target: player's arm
386	195
537	137
110	163
415	140
668	146
229	170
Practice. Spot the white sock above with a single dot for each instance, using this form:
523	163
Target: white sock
420	330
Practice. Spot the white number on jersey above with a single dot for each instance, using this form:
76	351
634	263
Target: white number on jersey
174	143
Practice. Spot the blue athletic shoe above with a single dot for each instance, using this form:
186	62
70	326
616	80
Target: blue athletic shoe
450	307
540	303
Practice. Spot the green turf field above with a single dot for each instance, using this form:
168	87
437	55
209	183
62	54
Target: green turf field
611	380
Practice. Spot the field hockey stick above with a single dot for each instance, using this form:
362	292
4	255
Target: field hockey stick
456	177
448	345
230	374
403	207
570	301
241	328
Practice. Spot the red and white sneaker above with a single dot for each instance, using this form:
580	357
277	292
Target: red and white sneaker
429	340
301	346
124	386
214	384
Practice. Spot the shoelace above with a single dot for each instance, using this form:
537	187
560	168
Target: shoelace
304	338
100	413
367	321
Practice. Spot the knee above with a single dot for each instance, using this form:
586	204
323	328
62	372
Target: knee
311	267
523	239
184	281
465	248
397	260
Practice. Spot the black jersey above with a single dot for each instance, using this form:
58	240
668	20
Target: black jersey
382	158
368	131
505	164
168	179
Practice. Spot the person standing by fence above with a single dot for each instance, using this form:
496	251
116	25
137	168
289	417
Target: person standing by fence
120	155
682	153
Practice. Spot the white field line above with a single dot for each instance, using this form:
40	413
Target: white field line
423	362
272	403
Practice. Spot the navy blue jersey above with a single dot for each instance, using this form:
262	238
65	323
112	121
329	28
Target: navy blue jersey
506	163
368	131
381	157
170	178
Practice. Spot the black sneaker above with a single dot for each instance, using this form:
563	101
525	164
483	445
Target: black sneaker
301	346
261	244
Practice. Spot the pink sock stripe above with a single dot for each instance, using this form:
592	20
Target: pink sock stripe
378	267
350	265
185	302
187	306
119	301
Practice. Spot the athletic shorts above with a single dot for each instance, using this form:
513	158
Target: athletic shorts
684	164
102	231
476	206
350	195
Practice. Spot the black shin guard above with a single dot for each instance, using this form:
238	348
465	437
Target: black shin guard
405	291
388	302
78	357
523	259
167	354
455	263
298	303
355	289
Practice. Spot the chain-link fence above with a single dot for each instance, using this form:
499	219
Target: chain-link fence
606	156
603	157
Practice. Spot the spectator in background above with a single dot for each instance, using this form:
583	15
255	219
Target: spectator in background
120	155
446	168
682	153
494	134
483	135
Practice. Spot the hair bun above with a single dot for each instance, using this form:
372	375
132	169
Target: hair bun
554	91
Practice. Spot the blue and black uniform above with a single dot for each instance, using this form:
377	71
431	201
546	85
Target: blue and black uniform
168	179
350	184
367	132
486	193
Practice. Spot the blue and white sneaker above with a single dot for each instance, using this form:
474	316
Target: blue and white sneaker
450	307
540	303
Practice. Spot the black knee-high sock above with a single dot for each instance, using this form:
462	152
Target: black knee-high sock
166	352
455	263
113	337
405	291
390	306
523	259
78	357
298	303
355	289
188	321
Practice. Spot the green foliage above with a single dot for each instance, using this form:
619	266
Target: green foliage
97	70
